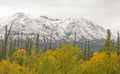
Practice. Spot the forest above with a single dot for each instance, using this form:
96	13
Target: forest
67	59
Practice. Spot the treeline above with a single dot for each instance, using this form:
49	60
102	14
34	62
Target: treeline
111	44
9	44
17	58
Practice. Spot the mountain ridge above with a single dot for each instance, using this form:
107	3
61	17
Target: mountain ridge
64	29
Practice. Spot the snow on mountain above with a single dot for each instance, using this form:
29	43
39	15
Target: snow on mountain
59	29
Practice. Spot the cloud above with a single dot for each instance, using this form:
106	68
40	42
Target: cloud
102	12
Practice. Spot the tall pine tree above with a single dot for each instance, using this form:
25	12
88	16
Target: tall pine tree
109	44
88	50
85	50
118	43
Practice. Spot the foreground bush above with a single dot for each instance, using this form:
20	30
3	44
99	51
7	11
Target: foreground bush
65	60
102	63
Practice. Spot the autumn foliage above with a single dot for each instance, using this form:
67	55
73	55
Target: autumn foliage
65	60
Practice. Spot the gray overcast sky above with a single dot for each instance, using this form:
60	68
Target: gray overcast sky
103	12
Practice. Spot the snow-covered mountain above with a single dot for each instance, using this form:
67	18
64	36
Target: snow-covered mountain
59	29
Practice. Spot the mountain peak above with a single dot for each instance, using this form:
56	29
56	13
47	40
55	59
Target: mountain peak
44	17
63	28
19	14
50	18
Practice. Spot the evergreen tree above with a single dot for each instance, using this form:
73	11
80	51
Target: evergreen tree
51	40
101	48
7	33
2	48
37	43
14	45
118	42
44	43
88	50
108	42
113	45
11	46
18	41
30	46
75	39
85	51
26	44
